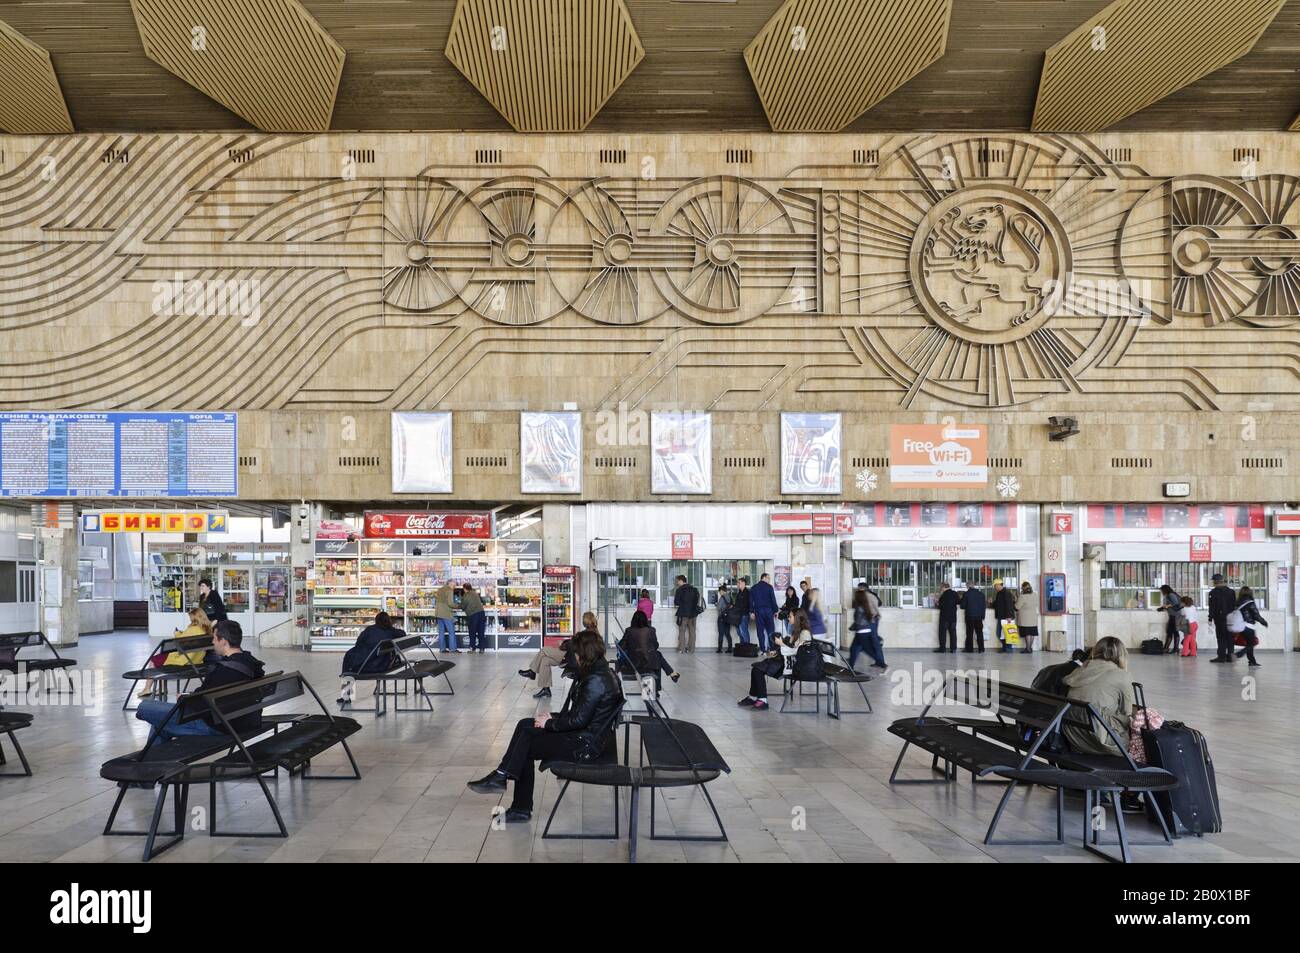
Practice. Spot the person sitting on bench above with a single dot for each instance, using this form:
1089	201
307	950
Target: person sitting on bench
230	665
1103	682
777	663
579	733
362	659
199	625
641	646
1052	678
549	656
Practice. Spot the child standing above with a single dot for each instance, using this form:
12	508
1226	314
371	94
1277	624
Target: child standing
1188	614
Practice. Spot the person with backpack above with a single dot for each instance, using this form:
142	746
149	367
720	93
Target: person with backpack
1222	602
778	662
230	665
975	606
1171	603
866	620
724	616
686	600
1243	625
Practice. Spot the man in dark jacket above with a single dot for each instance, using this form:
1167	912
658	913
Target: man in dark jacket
947	606
742	607
229	665
1222	601
686	600
364	658
581	732
210	601
975	606
1052	678
762	600
1004	607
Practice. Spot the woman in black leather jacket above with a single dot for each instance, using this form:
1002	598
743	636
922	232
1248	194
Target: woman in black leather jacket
581	732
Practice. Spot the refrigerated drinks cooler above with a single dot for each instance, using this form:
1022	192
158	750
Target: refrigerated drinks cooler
559	602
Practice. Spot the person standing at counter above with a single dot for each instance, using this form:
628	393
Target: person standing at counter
975	606
1027	616
947	606
1004	610
210	602
475	617
1171	603
646	604
762	600
444	615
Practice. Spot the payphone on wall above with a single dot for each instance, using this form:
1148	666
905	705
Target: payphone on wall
1053	590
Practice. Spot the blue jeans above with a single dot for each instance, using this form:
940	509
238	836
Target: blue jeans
478	630
743	629
765	623
157	713
447	633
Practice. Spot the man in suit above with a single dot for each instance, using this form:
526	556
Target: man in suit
975	606
762	601
947	606
1222	601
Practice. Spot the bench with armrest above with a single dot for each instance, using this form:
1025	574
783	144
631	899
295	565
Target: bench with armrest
672	754
13	643
277	741
10	722
1010	744
404	669
166	675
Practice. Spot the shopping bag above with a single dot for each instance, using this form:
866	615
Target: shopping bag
1010	634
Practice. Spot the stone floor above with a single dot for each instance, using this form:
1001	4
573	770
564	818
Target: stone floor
802	787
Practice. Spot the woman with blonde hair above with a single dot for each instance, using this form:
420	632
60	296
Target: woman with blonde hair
1103	682
200	624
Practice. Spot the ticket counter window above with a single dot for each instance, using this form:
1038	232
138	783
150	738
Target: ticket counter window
914	583
1136	585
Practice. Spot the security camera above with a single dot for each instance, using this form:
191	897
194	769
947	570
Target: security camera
1061	428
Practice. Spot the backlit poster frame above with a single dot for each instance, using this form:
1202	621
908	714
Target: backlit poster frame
428	435
681	453
550	452
808	438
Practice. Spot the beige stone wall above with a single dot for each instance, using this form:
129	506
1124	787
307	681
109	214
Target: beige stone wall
1146	284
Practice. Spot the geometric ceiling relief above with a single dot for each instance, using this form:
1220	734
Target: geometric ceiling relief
962	270
545	65
1136	52
820	64
31	100
267	61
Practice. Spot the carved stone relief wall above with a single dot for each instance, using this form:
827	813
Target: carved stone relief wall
898	275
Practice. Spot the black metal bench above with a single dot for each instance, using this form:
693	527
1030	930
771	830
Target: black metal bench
834	674
1010	744
672	754
12	644
279	741
405	670
10	722
165	675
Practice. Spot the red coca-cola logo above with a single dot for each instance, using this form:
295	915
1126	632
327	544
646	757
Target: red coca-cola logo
437	525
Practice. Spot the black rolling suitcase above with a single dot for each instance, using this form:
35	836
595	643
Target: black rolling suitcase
1193	806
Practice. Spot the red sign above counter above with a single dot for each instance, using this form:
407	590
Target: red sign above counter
428	525
804	523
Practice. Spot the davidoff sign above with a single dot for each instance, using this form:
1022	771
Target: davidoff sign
428	525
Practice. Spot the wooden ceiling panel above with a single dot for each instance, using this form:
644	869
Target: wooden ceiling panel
268	61
1136	52
819	64
545	65
31	100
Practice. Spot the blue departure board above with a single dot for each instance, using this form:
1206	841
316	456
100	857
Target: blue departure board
119	454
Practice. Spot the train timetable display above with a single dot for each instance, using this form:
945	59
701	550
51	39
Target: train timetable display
119	454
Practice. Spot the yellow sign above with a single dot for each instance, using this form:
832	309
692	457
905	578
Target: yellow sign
140	521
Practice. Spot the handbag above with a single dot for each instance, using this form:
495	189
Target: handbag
1142	718
1010	632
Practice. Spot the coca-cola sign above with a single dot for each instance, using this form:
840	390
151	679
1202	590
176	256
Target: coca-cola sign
428	525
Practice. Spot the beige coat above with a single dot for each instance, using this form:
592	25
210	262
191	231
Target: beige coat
1027	609
443	604
1109	689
